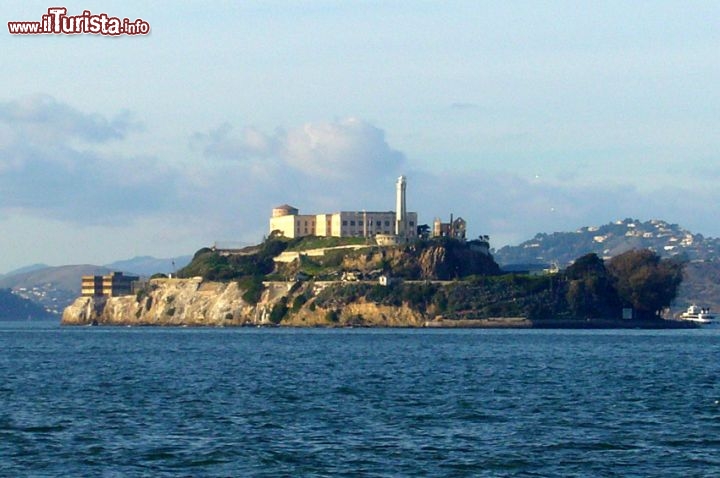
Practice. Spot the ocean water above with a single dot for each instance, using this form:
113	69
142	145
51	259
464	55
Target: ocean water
119	402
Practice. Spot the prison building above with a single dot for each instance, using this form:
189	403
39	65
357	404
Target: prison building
111	285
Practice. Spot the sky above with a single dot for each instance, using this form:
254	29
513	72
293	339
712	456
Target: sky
519	116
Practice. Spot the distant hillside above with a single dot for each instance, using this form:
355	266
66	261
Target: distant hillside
610	240
54	288
13	307
22	270
147	265
701	284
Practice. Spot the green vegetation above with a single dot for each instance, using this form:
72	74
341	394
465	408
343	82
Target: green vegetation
437	259
332	316
298	303
645	282
253	287
313	242
588	289
212	265
279	311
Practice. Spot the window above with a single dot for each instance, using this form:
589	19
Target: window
352	223
387	223
378	223
344	223
412	223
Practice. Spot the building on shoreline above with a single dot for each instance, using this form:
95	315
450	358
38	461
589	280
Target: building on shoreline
397	226
111	285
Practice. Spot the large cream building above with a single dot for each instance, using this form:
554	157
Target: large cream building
400	224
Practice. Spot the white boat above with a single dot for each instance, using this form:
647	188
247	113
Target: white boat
699	315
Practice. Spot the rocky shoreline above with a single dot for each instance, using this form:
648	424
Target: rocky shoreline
195	302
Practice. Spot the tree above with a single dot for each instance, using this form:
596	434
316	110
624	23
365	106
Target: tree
279	311
644	281
590	292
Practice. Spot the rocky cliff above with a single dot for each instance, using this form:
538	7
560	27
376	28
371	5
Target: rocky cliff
491	302
217	298
166	302
194	302
437	260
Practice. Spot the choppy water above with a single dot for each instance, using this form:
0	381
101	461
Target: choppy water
97	401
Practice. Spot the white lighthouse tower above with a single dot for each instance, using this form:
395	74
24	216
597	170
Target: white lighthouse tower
400	209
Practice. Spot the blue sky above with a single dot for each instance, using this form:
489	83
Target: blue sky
521	117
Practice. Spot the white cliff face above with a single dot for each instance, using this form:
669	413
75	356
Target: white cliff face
192	302
167	302
81	312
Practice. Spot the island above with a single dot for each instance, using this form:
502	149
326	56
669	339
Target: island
443	281
368	268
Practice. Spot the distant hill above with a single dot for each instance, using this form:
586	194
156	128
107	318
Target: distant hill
13	307
702	272
147	265
22	270
701	285
54	288
63	277
610	240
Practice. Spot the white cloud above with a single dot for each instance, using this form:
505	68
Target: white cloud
52	164
344	149
70	165
222	143
42	119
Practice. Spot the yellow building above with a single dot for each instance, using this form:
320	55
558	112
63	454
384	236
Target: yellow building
287	221
91	286
110	285
341	224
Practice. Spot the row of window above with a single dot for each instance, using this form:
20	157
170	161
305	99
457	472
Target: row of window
377	223
360	223
346	232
